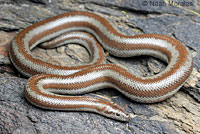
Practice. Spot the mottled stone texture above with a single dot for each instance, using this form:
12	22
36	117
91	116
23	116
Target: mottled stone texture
179	114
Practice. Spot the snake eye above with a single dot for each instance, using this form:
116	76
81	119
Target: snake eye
117	114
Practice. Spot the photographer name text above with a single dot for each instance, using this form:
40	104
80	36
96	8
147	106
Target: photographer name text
170	3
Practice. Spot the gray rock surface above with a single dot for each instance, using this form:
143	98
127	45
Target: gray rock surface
179	114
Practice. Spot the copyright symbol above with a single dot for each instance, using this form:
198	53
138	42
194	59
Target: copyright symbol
144	3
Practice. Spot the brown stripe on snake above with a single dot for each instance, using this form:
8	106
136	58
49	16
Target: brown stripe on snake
22	50
53	43
44	90
72	86
18	63
101	110
128	47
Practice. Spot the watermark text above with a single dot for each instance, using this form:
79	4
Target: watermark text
163	4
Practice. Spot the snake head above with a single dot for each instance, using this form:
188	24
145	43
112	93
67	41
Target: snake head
115	112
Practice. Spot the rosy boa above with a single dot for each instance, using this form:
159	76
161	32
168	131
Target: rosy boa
47	88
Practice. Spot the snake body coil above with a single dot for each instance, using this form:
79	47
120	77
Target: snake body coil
46	89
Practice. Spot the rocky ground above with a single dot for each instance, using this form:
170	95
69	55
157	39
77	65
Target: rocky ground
179	114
